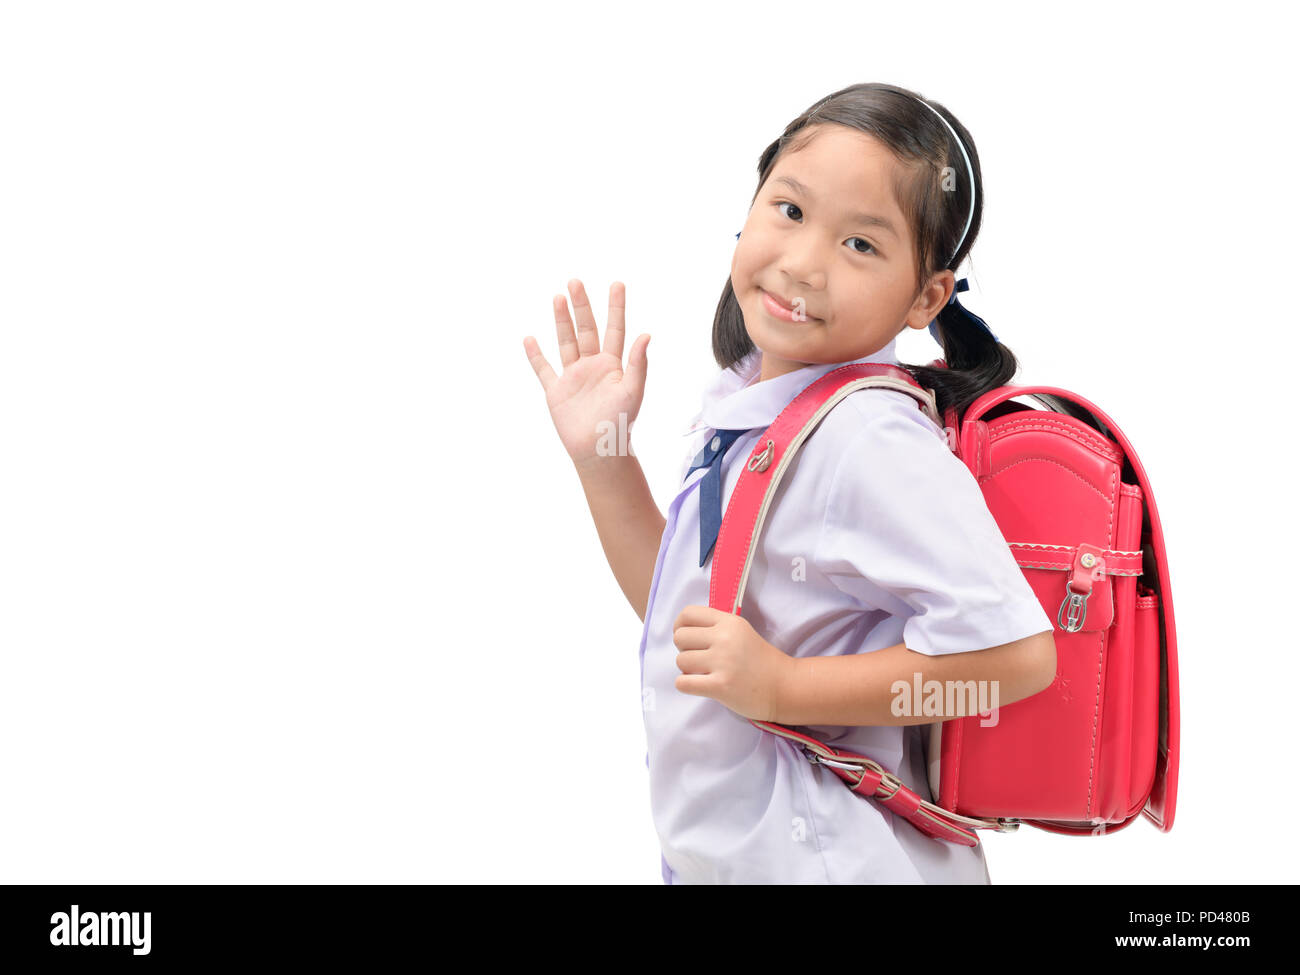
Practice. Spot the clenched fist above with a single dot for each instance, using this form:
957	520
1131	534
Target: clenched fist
723	657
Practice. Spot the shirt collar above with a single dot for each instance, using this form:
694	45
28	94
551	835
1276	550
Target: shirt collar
737	400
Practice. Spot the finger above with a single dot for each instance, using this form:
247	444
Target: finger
691	638
588	334
540	366
700	685
564	331
637	363
614	326
693	662
696	615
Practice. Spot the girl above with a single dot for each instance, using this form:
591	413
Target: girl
879	560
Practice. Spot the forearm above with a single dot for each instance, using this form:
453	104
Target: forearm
859	688
628	521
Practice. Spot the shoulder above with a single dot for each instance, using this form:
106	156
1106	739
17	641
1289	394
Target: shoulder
866	409
873	450
870	424
884	453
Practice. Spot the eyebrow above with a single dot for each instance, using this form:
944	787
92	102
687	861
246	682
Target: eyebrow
870	219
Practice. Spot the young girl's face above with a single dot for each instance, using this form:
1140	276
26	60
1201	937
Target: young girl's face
826	238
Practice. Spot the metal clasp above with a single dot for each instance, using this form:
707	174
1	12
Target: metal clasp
1078	604
816	759
1087	570
758	462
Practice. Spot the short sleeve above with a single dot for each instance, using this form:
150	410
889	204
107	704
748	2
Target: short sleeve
907	530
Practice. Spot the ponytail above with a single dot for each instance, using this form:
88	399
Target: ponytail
976	361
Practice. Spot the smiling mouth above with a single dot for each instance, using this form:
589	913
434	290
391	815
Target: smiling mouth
786	313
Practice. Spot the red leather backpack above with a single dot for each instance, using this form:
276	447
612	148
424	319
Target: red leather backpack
1099	746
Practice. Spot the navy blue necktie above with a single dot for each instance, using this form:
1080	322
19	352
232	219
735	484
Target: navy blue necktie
711	487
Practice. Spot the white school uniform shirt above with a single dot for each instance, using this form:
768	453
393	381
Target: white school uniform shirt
877	535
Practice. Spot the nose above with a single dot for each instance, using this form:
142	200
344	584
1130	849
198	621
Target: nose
802	263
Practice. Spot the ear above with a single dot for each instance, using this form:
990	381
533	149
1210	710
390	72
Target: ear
931	300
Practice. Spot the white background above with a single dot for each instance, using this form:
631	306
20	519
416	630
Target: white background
296	581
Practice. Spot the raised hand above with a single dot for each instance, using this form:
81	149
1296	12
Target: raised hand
594	391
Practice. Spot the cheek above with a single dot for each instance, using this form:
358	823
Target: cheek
741	270
750	255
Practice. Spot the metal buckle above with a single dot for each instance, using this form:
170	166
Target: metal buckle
816	759
1078	604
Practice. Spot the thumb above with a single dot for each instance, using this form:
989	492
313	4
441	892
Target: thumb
637	362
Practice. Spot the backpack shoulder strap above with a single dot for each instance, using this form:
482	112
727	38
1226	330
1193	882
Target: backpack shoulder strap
770	459
734	552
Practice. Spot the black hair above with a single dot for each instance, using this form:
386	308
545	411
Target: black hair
933	191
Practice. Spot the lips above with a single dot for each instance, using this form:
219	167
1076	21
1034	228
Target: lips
781	301
782	309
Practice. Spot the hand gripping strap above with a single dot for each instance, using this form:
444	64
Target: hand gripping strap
734	554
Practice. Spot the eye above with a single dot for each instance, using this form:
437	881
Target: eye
871	248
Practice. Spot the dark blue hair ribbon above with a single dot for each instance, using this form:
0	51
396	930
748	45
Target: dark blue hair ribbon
964	312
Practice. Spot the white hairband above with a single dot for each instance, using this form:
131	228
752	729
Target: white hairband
970	170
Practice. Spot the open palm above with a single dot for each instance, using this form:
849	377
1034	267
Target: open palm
594	390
